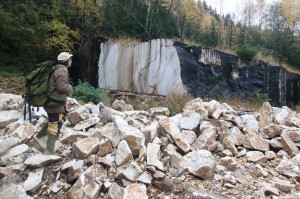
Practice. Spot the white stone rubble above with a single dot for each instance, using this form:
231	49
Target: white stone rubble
123	153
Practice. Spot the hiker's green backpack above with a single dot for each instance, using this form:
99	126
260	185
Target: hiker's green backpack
36	83
36	86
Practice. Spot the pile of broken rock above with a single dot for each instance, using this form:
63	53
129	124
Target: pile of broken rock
209	150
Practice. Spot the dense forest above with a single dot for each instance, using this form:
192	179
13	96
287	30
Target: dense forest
35	30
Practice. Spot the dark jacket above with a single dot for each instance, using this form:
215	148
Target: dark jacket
58	89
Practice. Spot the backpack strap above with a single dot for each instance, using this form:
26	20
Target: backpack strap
51	100
29	112
24	108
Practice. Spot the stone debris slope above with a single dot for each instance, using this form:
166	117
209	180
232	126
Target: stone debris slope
208	151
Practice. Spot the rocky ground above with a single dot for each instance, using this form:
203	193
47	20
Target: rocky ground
13	85
208	151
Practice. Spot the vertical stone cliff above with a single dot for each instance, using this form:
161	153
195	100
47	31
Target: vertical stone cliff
162	66
151	67
212	73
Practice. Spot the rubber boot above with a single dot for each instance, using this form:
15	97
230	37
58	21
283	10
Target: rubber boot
50	145
43	132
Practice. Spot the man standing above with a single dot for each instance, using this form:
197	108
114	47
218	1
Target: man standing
58	90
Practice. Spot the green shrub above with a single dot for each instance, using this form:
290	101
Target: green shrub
259	98
85	93
246	52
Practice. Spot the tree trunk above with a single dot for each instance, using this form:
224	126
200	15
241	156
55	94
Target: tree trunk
148	15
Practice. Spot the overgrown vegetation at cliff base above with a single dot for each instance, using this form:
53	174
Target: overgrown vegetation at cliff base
11	80
85	93
174	102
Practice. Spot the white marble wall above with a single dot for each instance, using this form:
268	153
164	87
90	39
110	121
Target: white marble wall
210	56
150	67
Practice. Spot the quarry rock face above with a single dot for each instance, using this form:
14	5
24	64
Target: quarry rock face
164	66
143	154
210	72
156	60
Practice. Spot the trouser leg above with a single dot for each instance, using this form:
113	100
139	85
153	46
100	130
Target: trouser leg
43	132
54	126
54	123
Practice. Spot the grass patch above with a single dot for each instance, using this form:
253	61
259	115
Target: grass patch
241	104
270	59
260	56
174	102
142	101
125	41
11	80
10	71
14	85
